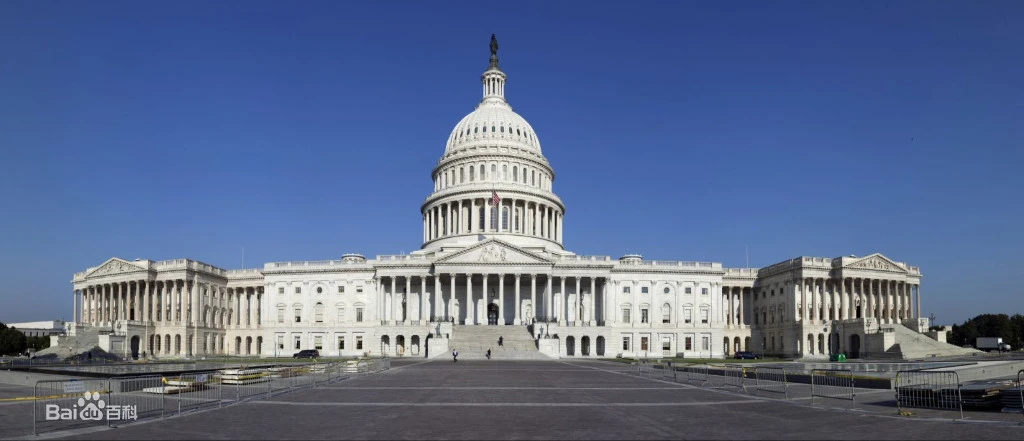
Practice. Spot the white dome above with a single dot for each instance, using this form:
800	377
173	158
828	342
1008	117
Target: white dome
493	123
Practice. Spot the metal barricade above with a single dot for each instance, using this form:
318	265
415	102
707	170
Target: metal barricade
1020	389
71	404
837	384
194	390
696	374
731	376
771	379
929	389
244	382
136	398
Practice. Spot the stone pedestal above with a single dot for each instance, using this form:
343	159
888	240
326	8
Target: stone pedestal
549	347
438	347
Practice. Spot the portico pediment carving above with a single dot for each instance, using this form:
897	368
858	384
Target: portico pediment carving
876	262
493	252
114	266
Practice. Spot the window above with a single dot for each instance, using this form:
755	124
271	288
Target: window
515	173
643	343
341	342
472	175
359	289
625	343
504	172
504	218
666	314
318	313
666	290
687	315
341	290
280	341
689	290
643	290
298	342
341	314
280	290
643	315
703	315
625	289
298	290
689	343
359	342
666	344
280	314
359	315
705	343
625	316
318	342
298	314
704	291
319	290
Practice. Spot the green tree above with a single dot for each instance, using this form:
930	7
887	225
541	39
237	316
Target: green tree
12	341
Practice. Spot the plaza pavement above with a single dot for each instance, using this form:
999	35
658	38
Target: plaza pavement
567	400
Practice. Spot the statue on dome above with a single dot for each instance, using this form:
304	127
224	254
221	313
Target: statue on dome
494	46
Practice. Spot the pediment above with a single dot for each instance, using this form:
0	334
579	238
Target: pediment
114	266
493	251
877	262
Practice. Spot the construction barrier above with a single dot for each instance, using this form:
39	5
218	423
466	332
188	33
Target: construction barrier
929	389
1020	389
695	374
836	384
71	404
771	379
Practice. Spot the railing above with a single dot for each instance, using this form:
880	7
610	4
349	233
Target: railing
68	404
1020	389
929	389
837	384
306	263
731	376
400	257
586	258
674	263
747	272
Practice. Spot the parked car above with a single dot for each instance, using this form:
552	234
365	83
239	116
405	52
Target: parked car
307	353
745	355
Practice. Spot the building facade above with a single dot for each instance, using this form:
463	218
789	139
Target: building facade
493	255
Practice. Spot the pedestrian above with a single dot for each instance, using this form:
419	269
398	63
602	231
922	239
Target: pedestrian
499	340
488	353
455	356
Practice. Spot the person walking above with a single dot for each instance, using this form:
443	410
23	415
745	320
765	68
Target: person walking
499	341
488	353
455	356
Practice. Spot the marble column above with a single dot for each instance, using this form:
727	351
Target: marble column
561	309
593	299
404	301
577	315
451	298
424	301
533	297
518	319
501	299
548	300
438	298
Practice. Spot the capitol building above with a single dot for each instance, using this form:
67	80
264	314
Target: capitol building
493	265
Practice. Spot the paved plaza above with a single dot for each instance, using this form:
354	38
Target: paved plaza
539	400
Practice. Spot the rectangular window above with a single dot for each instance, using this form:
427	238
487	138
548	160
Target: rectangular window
625	289
341	342
359	342
625	316
280	290
689	290
643	343
341	315
359	289
704	291
280	315
298	290
341	290
689	343
298	315
318	342
705	343
643	315
359	315
298	342
280	341
688	315
703	316
643	290
666	316
625	343
666	345
318	314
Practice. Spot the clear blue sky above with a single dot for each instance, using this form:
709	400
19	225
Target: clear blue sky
677	130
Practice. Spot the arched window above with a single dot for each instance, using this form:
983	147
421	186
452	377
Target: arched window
462	175
481	217
471	170
533	178
666	313
515	173
518	216
485	129
494	171
504	172
482	177
494	217
476	129
318	312
502	129
504	218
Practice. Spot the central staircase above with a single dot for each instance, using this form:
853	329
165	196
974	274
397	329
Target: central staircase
472	342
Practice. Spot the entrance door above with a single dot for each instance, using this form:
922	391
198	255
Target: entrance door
492	314
854	346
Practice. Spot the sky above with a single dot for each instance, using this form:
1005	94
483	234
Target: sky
708	131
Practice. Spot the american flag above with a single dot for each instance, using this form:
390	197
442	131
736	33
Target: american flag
494	198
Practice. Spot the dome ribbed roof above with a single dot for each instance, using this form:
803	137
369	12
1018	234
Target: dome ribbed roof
493	123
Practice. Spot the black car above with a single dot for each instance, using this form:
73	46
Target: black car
745	355
307	353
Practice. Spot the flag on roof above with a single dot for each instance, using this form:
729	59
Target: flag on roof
494	198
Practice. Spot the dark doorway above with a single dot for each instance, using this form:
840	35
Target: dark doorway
135	347
854	346
492	314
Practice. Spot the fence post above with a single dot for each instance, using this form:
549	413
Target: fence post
35	407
